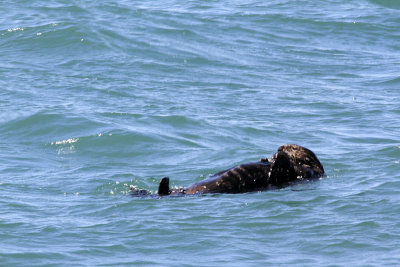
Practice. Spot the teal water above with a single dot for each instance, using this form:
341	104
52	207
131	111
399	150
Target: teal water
96	96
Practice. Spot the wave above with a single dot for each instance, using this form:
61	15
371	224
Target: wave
392	81
45	125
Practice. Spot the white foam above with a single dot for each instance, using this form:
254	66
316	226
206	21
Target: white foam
15	29
64	142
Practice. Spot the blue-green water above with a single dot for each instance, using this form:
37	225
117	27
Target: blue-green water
99	95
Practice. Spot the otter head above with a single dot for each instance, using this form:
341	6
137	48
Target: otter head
304	157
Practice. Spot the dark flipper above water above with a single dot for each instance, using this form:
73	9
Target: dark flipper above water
163	188
282	170
290	163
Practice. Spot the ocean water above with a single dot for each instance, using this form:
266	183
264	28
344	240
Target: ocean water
96	96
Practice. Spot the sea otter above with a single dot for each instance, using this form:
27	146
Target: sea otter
290	163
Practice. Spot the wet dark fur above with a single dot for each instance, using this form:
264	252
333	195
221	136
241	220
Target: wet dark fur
290	163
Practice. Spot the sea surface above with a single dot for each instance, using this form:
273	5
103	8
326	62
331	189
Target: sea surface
96	96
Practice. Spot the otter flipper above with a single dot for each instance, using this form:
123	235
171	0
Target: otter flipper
163	188
282	170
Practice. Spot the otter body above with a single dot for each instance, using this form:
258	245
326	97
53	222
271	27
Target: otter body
239	179
290	163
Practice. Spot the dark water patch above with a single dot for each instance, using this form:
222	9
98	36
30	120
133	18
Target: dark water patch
371	140
386	3
390	151
36	258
